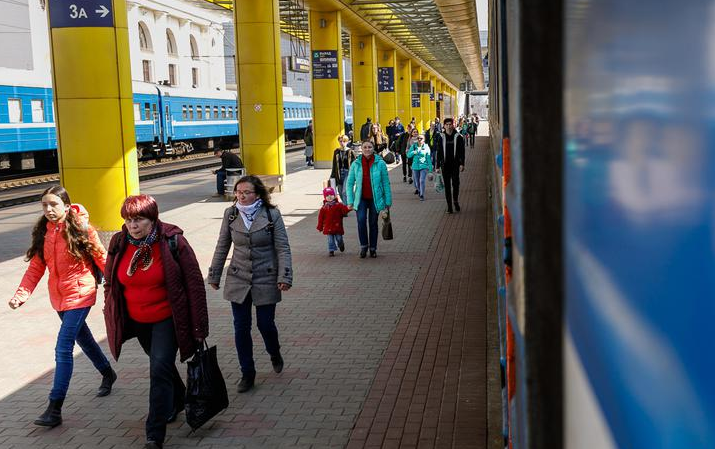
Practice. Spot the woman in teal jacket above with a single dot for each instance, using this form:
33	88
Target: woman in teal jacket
368	195
419	152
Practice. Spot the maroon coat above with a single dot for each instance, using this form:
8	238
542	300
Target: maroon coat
184	288
330	218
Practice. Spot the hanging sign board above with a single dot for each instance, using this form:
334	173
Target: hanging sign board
325	64
385	79
81	13
298	64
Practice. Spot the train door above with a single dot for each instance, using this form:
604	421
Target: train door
169	127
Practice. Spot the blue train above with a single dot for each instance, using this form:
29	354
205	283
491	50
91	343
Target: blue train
168	120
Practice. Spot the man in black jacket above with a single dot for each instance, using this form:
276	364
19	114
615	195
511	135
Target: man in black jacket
228	160
365	130
450	161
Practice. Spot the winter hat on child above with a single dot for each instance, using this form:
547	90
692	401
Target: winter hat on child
328	191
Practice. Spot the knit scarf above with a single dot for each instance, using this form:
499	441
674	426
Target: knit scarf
248	213
143	254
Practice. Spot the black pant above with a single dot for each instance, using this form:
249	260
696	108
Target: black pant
406	165
451	186
266	323
165	385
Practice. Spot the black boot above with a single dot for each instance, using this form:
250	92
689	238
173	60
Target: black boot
456	206
246	383
108	379
277	360
52	416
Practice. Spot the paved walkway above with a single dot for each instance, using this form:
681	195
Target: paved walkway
379	352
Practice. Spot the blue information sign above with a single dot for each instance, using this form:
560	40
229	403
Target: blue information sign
385	79
415	100
325	64
81	13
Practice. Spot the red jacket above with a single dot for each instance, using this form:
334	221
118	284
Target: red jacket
330	218
184	287
71	282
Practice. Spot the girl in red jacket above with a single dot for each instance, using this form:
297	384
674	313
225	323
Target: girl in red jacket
330	220
66	245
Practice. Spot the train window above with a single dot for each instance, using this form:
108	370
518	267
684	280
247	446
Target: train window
38	111
230	112
199	113
191	112
154	115
284	113
215	111
184	113
137	112
166	112
14	108
147	111
223	111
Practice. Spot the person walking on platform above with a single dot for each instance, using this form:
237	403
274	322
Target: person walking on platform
403	143
330	221
365	129
377	138
66	245
390	131
308	140
259	272
471	131
397	131
430	136
155	292
343	157
450	162
228	160
419	152
368	191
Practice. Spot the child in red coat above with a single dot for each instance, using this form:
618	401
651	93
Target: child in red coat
330	220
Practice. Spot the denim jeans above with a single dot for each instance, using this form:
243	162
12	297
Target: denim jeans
420	176
266	321
334	241
166	389
367	215
73	329
220	181
341	186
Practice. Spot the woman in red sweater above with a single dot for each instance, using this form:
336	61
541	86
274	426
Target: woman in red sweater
155	292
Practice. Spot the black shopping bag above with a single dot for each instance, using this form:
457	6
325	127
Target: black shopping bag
206	393
386	225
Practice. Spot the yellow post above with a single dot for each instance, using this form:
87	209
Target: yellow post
363	53
387	95
403	90
327	84
455	105
93	104
439	104
424	101
260	91
433	99
416	97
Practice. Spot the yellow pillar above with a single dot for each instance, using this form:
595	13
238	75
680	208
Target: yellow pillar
424	101
439	103
433	98
260	91
94	110
455	105
387	95
403	90
416	100
363	54
327	84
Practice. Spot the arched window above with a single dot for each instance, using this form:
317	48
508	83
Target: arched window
194	48
144	37
170	43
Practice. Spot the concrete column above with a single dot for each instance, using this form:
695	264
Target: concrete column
327	84
93	103
363	53
260	91
387	99
403	90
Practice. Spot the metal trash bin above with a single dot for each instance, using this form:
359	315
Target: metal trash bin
232	177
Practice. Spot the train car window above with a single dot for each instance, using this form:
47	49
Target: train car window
191	112
154	115
230	112
207	112
199	113
215	111
223	111
184	113
147	111
166	112
14	108
284	113
137	112
38	111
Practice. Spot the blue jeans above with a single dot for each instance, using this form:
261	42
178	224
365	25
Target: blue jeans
73	329
220	181
420	176
341	186
166	389
334	241
367	215
266	321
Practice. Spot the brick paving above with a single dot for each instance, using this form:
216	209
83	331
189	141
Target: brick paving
379	352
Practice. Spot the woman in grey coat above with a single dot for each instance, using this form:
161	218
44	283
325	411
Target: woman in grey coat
260	270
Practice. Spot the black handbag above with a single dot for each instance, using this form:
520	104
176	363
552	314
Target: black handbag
206	393
388	156
387	226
